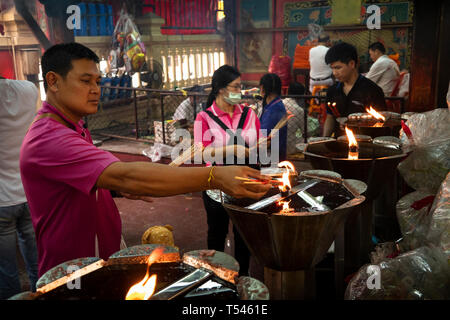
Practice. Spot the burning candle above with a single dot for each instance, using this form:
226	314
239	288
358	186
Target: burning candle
353	152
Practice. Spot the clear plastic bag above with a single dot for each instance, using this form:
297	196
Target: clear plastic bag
420	274
414	217
157	151
428	162
128	50
439	227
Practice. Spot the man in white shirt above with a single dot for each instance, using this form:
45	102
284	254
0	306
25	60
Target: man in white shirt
384	71
186	108
320	73
17	110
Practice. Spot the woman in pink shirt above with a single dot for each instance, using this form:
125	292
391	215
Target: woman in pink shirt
227	130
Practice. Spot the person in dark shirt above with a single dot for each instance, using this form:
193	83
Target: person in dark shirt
353	92
273	110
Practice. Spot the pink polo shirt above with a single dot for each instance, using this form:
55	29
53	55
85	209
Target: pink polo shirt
207	131
60	167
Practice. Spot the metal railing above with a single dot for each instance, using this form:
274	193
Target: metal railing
134	118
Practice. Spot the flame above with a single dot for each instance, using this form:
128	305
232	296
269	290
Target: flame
352	145
285	179
375	114
286	208
351	137
144	289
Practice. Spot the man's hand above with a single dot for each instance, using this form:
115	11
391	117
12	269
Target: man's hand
224	179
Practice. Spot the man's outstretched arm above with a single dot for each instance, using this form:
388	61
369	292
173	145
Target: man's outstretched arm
158	180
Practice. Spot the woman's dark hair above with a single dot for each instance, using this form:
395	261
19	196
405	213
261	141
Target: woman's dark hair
58	58
343	52
296	89
271	83
220	79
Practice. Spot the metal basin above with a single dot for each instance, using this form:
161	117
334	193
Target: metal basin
375	166
294	241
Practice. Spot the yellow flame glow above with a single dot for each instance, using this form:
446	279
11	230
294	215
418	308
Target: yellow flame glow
285	179
351	137
144	289
375	114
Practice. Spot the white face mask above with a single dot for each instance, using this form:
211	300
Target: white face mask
233	98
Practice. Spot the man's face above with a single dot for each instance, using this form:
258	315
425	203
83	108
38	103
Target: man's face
342	71
373	55
79	91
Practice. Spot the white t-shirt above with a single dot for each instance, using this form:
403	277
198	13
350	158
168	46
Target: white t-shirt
294	123
186	111
319	69
384	72
17	109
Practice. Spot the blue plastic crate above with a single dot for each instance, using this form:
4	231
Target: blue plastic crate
101	9
110	22
114	83
128	85
105	81
83	26
92	19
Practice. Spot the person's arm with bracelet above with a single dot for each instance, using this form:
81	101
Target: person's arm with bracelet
158	180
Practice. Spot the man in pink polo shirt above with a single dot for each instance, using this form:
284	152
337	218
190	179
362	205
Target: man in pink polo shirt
67	179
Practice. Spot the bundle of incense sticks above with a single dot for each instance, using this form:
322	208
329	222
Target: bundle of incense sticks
189	154
283	121
257	181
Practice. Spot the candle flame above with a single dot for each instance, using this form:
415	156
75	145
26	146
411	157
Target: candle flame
144	289
375	114
351	138
352	145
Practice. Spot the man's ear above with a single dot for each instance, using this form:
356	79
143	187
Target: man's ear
52	81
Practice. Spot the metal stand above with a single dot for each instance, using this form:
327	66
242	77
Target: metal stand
290	285
353	245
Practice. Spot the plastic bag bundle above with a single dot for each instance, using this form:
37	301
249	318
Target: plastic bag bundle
157	151
416	275
414	217
439	228
281	65
428	163
128	50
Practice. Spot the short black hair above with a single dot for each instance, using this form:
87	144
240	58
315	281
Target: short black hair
323	38
196	88
343	52
377	46
296	89
58	58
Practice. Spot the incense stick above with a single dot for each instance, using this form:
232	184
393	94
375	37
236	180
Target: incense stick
283	121
190	153
256	181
